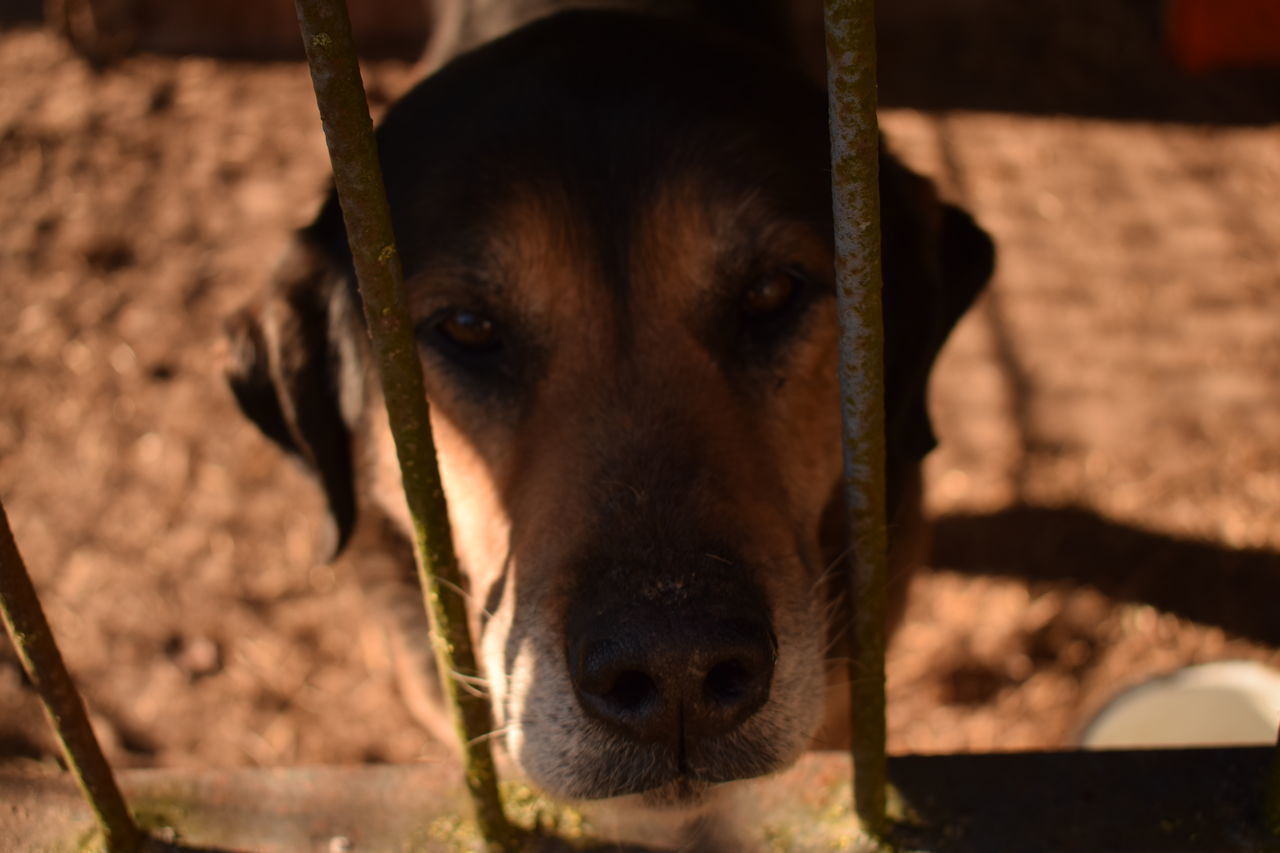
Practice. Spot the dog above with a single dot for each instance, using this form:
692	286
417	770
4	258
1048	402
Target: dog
617	241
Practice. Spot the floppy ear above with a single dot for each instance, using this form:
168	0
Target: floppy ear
295	368
936	262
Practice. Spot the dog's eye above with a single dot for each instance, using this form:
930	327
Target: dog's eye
770	294
478	349
468	330
769	309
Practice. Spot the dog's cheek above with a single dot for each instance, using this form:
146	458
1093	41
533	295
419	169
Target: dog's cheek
481	528
478	520
802	426
386	486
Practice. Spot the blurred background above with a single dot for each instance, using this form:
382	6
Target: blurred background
1106	493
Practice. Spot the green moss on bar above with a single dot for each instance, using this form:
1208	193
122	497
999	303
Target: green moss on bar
27	625
357	174
851	87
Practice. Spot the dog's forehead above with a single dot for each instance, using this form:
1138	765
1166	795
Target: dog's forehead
598	114
667	257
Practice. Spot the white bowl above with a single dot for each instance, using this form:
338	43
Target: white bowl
1219	704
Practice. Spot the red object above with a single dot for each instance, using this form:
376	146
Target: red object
1207	34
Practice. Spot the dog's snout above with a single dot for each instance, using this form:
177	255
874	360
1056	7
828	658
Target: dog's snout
673	682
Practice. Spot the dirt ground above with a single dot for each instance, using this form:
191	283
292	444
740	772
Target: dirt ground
1107	492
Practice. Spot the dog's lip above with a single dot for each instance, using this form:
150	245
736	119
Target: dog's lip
665	789
684	791
675	786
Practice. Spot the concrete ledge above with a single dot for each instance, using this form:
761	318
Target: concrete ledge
1090	802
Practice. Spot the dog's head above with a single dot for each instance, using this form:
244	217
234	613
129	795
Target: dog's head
617	245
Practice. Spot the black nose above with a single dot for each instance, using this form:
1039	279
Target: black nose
658	680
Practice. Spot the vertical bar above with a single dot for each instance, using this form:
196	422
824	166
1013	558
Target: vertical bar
357	174
851	94
27	625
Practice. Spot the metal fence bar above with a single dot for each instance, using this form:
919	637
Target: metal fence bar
357	174
851	93
33	639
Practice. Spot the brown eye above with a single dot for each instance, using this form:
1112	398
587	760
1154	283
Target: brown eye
469	330
770	294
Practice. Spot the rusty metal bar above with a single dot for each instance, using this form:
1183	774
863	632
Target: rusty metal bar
33	639
357	174
851	94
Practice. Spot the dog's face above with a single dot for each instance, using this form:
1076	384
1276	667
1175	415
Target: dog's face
617	245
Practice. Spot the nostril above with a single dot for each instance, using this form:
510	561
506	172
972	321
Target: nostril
727	683
692	680
632	692
610	684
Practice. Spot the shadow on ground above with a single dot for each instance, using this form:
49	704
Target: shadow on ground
1235	589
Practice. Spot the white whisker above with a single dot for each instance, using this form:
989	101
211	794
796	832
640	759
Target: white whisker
453	587
474	685
830	570
496	733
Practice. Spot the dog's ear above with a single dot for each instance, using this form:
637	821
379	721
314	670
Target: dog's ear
936	262
295	368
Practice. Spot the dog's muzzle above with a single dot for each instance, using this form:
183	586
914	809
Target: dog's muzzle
672	664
